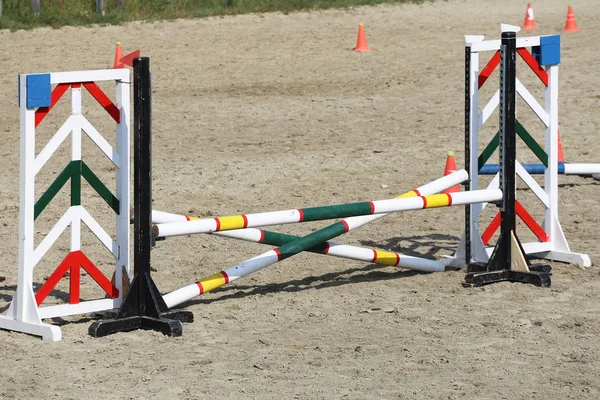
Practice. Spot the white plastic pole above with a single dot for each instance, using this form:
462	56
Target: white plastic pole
289	216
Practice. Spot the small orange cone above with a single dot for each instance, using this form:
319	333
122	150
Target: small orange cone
529	23
449	169
123	61
571	25
561	155
118	56
361	43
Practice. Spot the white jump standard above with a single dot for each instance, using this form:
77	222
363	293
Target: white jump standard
36	100
543	60
508	261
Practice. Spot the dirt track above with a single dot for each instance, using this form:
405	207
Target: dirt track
267	112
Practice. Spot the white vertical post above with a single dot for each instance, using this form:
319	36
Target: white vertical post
23	314
478	252
76	156
123	182
26	207
551	146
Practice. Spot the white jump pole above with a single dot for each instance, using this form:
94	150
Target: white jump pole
363	209
264	260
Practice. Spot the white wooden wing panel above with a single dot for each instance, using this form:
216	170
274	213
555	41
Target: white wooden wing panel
52	236
99	232
99	140
85	307
89	76
489	108
533	185
54	143
533	103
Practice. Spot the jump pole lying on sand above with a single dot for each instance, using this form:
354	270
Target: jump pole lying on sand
329	248
335	249
365	209
540	169
301	244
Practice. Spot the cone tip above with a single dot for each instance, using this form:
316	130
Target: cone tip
450	154
361	24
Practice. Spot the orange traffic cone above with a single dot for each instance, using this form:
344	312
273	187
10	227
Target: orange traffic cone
450	168
561	155
361	43
529	23
571	25
123	61
118	56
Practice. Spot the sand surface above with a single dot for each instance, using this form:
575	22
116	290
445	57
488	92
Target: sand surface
268	112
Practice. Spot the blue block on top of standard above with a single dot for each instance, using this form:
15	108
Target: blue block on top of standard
548	52
39	90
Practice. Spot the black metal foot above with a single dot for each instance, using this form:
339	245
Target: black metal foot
477	267
142	308
169	327
539	275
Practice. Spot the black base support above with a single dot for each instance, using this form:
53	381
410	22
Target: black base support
499	268
142	308
538	275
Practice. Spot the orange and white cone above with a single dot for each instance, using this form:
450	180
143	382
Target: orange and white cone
449	169
118	56
571	24
529	23
361	43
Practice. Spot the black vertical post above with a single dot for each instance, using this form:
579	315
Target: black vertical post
143	306
468	145
142	167
508	261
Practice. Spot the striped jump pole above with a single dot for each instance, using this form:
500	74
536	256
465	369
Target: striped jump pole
335	249
301	244
300	215
540	169
436	186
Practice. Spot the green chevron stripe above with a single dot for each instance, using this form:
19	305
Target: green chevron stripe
99	187
75	170
52	190
488	151
532	144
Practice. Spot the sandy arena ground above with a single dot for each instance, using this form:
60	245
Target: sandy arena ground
267	112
